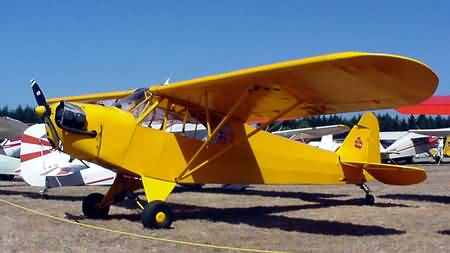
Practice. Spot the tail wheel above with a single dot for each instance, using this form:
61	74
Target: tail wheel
157	215
437	159
91	209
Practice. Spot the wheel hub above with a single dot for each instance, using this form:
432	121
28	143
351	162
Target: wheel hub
160	217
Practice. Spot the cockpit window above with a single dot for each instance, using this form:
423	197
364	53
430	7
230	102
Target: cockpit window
131	101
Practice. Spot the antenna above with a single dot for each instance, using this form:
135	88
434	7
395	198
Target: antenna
167	81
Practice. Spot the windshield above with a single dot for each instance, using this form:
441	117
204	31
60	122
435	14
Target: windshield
129	102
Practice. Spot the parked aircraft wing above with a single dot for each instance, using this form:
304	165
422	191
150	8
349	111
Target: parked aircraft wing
11	128
312	132
438	132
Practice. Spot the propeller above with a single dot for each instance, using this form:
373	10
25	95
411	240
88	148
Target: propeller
44	110
40	98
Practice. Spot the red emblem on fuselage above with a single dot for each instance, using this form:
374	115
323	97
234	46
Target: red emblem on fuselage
358	143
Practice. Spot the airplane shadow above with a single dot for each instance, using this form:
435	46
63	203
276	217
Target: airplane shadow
306	196
258	216
37	195
324	199
8	185
264	217
418	197
444	232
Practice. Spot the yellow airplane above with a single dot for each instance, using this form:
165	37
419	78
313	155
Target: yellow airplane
131	135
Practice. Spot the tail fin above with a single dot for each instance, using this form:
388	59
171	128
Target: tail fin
361	152
34	154
44	166
363	142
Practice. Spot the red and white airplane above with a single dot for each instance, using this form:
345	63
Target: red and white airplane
435	105
45	167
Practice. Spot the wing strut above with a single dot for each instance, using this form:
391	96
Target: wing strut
147	111
208	118
187	172
213	134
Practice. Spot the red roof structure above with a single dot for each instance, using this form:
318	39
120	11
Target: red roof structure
438	105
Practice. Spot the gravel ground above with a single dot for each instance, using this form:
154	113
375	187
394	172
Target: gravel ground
283	218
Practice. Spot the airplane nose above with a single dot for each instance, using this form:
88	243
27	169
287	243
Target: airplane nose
40	110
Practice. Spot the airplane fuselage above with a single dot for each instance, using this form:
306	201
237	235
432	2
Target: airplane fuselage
130	148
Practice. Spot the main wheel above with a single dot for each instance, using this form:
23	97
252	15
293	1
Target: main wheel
157	214
90	208
370	200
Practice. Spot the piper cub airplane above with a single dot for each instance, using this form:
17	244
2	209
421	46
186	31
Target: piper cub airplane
126	138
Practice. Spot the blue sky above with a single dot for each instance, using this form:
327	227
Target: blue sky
77	47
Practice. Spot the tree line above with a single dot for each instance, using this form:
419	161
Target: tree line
25	114
388	122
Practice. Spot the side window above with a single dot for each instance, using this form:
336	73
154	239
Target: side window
180	121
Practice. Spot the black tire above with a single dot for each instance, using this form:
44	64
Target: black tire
7	177
157	214
90	209
369	200
437	159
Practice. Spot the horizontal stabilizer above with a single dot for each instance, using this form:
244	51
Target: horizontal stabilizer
393	174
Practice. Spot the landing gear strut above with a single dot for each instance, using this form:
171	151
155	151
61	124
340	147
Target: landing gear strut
370	199
44	193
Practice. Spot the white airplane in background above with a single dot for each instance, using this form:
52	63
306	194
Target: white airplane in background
42	166
10	131
442	134
310	134
404	146
9	158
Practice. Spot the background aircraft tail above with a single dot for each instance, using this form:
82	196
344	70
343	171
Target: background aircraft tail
361	152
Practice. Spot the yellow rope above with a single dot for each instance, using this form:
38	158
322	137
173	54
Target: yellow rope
147	237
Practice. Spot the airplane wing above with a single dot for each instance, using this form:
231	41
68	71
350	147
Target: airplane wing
327	84
312	132
438	132
433	105
11	128
104	97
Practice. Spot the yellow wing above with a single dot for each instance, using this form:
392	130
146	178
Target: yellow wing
93	98
334	83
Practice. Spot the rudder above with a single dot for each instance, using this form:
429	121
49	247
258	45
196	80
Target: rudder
362	144
360	153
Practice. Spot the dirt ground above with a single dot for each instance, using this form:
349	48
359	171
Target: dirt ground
288	218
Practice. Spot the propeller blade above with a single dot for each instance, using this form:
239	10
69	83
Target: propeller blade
38	94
